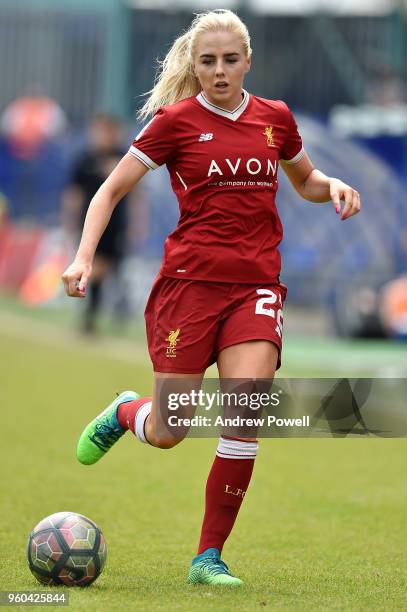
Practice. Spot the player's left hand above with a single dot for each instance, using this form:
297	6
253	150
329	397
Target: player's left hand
341	192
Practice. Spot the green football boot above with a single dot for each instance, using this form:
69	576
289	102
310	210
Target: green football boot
208	568
100	434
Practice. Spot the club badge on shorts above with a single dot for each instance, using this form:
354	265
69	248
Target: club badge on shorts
171	349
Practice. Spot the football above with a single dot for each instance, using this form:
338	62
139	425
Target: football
66	548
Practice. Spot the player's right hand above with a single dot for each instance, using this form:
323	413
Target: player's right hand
75	278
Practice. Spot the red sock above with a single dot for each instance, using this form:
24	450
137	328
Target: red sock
126	413
226	486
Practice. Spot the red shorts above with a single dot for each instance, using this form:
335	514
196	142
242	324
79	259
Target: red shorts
189	322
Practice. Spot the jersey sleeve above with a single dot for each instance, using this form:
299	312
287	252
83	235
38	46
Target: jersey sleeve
292	150
155	144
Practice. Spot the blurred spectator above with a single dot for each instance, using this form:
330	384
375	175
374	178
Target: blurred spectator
31	157
89	171
386	87
29	121
394	307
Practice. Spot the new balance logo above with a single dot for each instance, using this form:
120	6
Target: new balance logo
204	137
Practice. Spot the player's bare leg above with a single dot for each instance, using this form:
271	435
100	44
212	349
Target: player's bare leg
253	359
156	429
144	416
231	471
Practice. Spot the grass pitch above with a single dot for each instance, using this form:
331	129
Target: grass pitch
322	527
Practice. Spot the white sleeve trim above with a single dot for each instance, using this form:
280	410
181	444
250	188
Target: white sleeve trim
147	161
296	158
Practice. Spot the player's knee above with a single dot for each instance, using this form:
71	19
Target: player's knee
165	441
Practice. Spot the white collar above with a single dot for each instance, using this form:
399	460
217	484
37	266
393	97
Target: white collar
233	115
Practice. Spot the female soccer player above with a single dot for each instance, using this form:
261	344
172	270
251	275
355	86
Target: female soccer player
217	296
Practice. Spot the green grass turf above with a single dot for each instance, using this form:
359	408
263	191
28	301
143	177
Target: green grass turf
322	527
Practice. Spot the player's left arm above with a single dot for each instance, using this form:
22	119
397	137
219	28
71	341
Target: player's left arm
314	186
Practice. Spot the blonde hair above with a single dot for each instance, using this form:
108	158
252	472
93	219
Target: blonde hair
175	79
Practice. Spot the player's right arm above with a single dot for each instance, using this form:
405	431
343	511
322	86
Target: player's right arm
118	184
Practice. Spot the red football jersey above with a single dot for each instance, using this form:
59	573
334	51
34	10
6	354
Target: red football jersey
223	167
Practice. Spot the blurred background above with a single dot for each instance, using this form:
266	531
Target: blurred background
72	77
